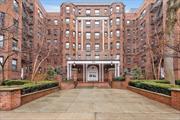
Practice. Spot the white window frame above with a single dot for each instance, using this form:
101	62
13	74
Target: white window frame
1	41
97	35
88	11
97	12
118	45
117	21
67	20
67	9
67	33
88	35
117	33
67	45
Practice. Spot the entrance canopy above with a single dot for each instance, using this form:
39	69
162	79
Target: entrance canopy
93	62
86	63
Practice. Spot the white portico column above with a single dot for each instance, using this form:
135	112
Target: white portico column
67	71
118	74
102	72
84	72
115	70
70	71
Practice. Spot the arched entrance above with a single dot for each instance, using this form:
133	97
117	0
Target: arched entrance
92	74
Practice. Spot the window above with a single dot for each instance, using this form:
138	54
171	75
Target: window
49	31
15	5
118	45
79	46
88	23
105	10
97	35
88	35
67	45
96	56
2	16
67	9
55	22
14	45
74	46
1	41
67	20
106	34
79	11
14	64
117	21
97	12
74	34
1	61
111	22
88	12
79	34
67	33
88	47
111	10
117	33
97	22
128	22
16	24
118	9
117	56
111	34
40	13
97	47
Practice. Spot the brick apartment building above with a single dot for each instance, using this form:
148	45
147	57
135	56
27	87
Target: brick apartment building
93	39
89	43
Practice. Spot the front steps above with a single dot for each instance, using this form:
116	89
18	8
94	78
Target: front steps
93	85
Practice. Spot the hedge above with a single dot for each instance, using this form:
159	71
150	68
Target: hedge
119	79
154	86
15	82
29	88
177	82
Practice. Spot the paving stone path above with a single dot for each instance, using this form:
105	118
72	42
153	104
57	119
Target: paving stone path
92	104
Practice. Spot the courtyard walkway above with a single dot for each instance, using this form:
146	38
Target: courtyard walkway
93	104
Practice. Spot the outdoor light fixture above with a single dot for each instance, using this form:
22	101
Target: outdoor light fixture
111	63
74	64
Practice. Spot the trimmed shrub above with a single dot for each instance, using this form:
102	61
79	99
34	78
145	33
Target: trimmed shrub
177	82
29	88
119	79
153	86
15	82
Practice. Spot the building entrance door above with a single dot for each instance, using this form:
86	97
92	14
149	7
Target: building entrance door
92	74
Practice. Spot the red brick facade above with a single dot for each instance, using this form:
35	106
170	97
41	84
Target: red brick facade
102	34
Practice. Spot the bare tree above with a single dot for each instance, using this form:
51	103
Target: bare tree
40	56
172	8
10	31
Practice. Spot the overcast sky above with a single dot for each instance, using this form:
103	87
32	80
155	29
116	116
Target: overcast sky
53	5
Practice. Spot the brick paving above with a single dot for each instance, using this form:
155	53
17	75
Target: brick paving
92	104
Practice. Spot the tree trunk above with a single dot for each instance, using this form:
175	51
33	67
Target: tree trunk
169	60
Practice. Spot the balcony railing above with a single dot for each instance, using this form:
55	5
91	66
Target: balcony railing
94	58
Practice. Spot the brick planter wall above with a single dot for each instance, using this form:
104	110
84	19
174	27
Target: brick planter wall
119	84
66	86
10	98
175	101
35	95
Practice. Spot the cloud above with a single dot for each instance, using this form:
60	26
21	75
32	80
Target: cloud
52	8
